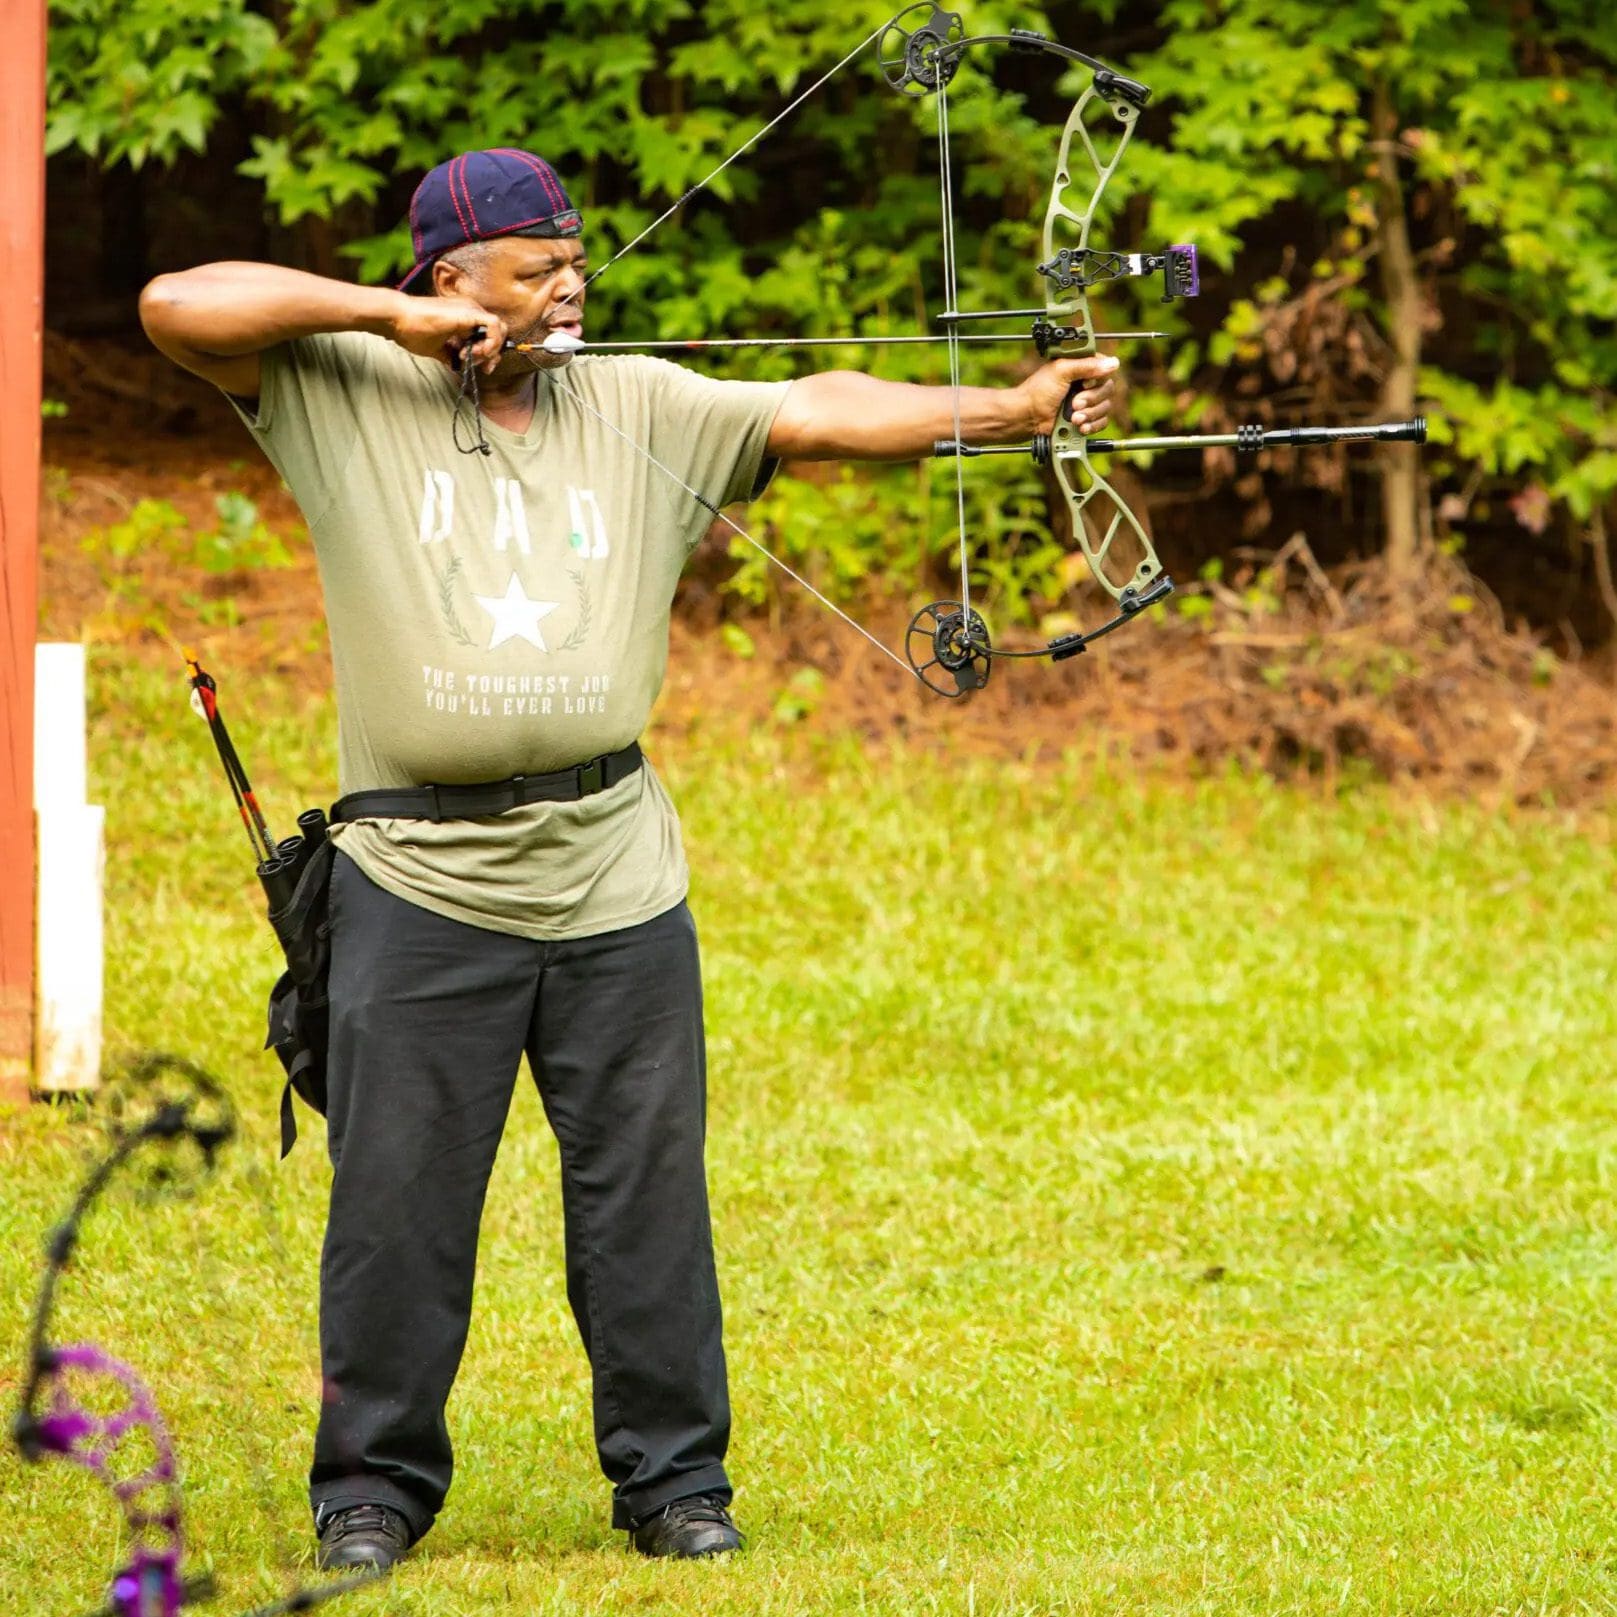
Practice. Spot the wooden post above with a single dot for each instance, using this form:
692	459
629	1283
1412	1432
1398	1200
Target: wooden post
22	321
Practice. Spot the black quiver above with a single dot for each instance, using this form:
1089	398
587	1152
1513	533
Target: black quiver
297	883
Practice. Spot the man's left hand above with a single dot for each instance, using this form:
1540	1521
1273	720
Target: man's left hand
1046	390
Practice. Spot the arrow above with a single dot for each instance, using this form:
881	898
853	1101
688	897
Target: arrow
560	343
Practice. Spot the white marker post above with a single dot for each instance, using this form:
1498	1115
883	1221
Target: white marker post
67	1042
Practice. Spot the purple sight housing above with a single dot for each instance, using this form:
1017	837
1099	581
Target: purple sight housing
1181	274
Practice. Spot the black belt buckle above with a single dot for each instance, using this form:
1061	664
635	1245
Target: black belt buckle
592	777
436	812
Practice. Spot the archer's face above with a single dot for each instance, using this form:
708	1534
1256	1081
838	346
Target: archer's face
535	286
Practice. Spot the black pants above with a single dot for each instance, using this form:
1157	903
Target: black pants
429	1019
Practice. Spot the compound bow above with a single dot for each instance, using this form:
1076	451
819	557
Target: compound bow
121	1438
948	647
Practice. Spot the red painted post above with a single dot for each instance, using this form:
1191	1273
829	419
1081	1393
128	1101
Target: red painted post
22	310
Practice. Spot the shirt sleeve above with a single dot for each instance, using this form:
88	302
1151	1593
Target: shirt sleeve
714	434
310	396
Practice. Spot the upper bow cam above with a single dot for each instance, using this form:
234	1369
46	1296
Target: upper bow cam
915	52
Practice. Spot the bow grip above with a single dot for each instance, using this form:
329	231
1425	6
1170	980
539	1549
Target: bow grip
1074	392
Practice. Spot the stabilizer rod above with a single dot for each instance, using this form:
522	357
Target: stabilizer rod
1247	440
1252	439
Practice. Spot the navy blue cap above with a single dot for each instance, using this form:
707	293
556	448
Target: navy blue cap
480	195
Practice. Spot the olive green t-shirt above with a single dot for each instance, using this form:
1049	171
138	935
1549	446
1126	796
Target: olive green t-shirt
505	614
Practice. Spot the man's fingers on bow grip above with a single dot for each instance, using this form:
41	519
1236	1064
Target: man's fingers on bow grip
1091	402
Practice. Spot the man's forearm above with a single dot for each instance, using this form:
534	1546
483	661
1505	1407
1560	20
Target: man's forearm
843	415
233	309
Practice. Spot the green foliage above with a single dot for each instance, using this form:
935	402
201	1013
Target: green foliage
158	527
1506	141
836	532
800	696
151	524
737	640
853	530
140	80
241	541
157	533
1264	143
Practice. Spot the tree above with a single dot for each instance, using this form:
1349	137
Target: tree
1398	200
1458	159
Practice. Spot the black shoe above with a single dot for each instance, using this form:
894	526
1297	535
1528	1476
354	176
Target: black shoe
688	1529
362	1535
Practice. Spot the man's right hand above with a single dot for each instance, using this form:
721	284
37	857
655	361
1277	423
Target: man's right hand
217	319
442	328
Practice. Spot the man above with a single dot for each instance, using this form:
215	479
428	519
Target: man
499	630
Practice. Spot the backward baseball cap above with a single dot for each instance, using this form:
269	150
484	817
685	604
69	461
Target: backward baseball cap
479	196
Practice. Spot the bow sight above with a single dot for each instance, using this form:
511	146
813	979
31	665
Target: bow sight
1081	267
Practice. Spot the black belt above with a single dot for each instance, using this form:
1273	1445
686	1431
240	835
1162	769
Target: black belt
491	797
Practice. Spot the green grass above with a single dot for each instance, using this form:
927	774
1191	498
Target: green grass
1130	1197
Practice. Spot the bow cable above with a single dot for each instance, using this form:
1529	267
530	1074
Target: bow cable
951	295
729	522
740	151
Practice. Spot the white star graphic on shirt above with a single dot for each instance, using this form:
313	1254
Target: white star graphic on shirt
515	616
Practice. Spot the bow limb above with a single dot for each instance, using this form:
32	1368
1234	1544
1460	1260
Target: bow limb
1114	541
1061	219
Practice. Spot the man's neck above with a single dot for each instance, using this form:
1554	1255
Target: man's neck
509	403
